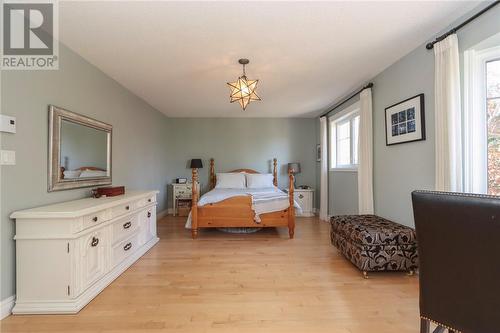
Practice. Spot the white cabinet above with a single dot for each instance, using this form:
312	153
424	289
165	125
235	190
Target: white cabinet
147	220
69	252
182	191
305	199
92	258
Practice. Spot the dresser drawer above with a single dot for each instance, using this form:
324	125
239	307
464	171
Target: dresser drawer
124	249
146	201
124	228
95	218
183	193
122	209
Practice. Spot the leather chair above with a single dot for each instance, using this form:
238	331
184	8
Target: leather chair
459	252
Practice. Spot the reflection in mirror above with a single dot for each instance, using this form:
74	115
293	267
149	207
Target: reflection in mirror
79	151
83	151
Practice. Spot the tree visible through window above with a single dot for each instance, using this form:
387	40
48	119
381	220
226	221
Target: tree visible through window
493	121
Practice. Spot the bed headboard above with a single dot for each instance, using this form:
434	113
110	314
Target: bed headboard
213	178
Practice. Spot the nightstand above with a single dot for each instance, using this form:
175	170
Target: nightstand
305	199
182	192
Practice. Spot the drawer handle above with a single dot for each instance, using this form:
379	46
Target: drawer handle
149	200
149	214
127	207
127	225
95	241
301	196
127	246
95	219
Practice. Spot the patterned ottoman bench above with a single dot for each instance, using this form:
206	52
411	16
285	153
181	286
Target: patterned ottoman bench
373	243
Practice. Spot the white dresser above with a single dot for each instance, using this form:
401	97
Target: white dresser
69	252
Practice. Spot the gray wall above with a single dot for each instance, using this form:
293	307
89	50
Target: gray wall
343	192
140	140
245	143
400	169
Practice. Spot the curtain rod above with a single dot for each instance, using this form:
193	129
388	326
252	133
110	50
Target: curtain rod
369	85
430	45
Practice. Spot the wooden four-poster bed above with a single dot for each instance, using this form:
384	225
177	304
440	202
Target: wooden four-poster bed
237	211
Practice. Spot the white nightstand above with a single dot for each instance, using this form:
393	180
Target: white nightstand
182	191
305	199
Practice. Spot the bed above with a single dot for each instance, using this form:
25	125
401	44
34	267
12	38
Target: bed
83	172
235	209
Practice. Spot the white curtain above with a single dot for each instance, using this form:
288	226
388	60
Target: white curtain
323	137
365	151
448	120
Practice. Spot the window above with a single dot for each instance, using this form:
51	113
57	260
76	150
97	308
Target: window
482	121
493	124
344	132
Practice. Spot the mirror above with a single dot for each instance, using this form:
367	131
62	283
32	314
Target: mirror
79	150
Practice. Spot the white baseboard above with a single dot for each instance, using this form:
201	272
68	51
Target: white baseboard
6	306
327	220
162	214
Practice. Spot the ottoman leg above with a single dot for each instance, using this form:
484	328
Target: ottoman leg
365	274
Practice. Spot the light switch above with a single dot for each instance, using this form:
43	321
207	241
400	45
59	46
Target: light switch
7	124
7	157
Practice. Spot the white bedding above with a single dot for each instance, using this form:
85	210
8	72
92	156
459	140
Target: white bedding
264	200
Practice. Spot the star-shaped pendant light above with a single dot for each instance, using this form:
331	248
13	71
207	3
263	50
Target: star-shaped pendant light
243	90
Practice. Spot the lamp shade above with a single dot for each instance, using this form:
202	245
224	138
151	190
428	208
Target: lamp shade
294	167
196	163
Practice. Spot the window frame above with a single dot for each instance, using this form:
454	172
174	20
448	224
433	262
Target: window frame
346	115
475	119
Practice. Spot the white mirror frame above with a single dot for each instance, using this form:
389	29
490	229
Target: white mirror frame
56	181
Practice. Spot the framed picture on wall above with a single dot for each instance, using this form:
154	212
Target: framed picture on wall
405	121
318	153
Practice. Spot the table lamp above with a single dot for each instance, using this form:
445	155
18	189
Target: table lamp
294	168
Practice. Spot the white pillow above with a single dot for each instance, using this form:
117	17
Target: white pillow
72	174
93	173
259	180
230	180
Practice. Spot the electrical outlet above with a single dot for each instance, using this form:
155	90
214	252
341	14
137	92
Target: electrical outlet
7	157
7	124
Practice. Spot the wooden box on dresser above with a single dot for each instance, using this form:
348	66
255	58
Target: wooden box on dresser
69	252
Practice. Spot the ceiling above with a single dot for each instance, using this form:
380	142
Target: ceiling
178	56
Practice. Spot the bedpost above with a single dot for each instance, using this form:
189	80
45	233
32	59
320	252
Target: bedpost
275	171
291	209
212	173
194	205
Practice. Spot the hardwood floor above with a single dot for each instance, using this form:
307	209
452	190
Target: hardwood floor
262	282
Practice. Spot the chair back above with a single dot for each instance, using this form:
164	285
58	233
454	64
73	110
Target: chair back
459	253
